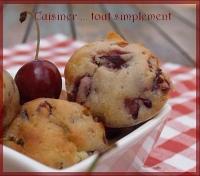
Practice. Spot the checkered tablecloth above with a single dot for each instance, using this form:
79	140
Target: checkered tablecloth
175	151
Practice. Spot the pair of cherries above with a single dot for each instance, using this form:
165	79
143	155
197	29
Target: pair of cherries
38	78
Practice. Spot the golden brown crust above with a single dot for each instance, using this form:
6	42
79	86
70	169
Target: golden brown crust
55	132
11	105
109	87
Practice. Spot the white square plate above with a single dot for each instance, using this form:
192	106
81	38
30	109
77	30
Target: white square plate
143	138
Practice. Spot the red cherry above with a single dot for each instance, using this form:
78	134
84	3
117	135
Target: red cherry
38	78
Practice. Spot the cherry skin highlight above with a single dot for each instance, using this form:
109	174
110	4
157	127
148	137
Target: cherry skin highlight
38	78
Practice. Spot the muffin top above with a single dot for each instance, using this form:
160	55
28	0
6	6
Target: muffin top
55	132
121	83
11	99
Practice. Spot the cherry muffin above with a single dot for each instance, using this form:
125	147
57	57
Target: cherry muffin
11	99
121	83
55	132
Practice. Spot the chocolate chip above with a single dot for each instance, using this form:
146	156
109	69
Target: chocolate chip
133	106
24	114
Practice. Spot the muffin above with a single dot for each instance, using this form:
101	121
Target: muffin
11	104
55	132
121	83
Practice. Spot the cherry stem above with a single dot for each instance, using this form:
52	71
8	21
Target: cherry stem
37	28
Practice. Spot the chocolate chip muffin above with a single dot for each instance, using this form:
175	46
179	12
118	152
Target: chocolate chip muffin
55	132
121	83
11	105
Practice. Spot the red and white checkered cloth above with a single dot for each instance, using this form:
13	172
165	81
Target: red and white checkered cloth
175	151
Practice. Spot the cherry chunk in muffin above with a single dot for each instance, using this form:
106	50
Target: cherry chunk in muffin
121	83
